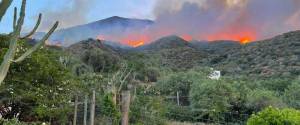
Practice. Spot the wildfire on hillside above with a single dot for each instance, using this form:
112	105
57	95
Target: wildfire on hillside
136	43
140	40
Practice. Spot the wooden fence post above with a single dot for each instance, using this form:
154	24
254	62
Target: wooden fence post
85	109
125	107
75	110
178	100
92	111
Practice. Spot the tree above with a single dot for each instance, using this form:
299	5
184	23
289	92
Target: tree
179	82
211	97
14	38
38	88
118	81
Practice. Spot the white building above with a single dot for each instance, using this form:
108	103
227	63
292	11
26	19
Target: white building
215	75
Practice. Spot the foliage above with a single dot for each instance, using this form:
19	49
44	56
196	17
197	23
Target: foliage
274	116
109	110
179	82
146	110
14	38
259	99
211	97
17	122
180	113
292	95
39	86
277	85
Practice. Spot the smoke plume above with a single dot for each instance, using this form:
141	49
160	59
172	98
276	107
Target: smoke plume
73	13
225	19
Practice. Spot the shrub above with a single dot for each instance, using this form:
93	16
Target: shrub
274	116
146	110
180	113
211	97
109	110
292	95
17	122
259	99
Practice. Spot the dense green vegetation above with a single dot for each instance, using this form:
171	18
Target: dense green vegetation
273	116
45	87
168	80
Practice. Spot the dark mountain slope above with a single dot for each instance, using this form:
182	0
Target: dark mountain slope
214	47
169	42
94	53
173	52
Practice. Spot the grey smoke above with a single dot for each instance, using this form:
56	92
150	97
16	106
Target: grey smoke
71	15
222	19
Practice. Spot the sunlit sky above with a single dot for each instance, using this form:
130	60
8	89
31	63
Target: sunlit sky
100	9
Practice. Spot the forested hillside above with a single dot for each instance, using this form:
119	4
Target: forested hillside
168	81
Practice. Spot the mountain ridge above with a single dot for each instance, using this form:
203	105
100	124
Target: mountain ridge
107	26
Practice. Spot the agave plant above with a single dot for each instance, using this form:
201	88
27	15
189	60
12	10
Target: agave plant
15	37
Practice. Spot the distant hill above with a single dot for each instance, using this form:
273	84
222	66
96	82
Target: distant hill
278	56
112	25
218	46
173	52
168	42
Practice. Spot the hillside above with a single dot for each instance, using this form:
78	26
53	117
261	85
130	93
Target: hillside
95	53
173	52
168	42
278	56
271	57
219	46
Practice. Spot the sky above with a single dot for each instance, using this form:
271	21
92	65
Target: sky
94	10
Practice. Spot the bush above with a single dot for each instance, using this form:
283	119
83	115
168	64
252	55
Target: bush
259	99
211	97
292	95
274	116
146	110
178	82
17	122
109	111
180	113
277	85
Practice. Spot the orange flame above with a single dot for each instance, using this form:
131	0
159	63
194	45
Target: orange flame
136	43
245	40
140	39
135	40
242	37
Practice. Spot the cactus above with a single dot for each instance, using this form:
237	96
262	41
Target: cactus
15	37
3	7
